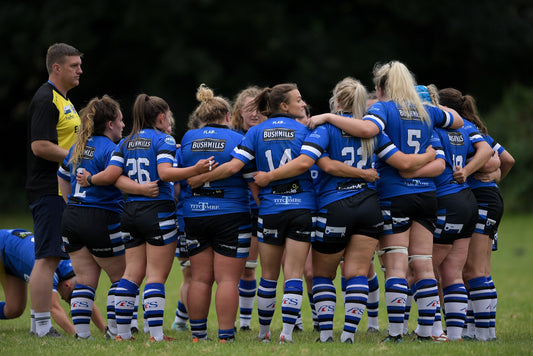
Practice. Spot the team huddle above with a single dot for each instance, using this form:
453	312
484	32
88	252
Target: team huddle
409	175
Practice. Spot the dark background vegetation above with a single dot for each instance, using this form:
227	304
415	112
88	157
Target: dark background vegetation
168	48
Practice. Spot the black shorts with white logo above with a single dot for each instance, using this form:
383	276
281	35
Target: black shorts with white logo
153	222
94	228
456	217
359	214
297	224
228	234
399	212
490	210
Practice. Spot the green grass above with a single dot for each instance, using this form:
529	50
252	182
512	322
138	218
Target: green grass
511	273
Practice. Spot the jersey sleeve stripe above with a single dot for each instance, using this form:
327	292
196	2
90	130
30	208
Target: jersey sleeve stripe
386	151
244	152
375	119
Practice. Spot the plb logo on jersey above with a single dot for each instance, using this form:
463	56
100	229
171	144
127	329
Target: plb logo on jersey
271	306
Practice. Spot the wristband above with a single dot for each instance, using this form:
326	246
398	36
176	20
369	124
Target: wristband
90	180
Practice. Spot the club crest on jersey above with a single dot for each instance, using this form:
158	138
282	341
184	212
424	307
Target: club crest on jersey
169	140
208	144
139	143
278	134
456	138
69	109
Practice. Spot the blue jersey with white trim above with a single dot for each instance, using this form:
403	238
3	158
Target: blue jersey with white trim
273	143
182	184
96	156
458	149
411	135
138	156
225	196
17	254
253	204
340	146
473	183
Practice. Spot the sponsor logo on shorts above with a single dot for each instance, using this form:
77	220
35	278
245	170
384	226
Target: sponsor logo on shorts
204	206
285	200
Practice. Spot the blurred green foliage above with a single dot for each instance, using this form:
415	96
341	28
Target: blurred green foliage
167	48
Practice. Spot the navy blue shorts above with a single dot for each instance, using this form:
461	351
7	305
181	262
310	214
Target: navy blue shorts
297	224
254	214
456	217
228	234
336	223
94	228
47	214
490	210
400	212
152	222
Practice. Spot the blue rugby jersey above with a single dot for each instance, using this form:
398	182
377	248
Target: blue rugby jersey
96	156
273	143
225	196
17	254
139	156
340	146
458	149
496	147
253	204
410	135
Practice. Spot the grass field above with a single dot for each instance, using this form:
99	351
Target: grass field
512	266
